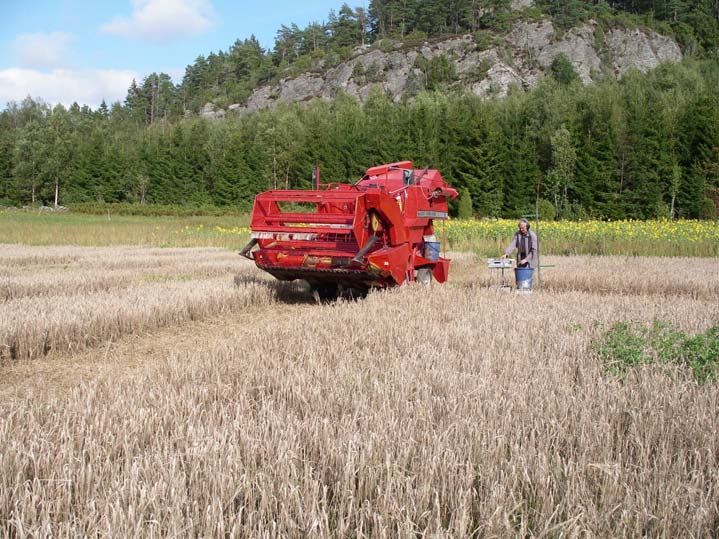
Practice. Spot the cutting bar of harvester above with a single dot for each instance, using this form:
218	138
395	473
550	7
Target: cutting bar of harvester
376	232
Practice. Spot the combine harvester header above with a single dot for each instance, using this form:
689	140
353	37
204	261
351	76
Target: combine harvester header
377	232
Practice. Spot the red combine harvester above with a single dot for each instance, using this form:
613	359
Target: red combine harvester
377	232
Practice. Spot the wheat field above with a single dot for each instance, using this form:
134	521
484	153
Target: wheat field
182	393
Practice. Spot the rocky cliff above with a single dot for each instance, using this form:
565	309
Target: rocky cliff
487	68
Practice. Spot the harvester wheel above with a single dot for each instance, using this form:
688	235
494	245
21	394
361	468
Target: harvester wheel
423	275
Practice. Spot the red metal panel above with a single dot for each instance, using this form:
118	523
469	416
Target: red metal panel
390	206
441	270
392	261
383	169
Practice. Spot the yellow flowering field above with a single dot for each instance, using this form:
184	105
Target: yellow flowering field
673	231
682	237
487	237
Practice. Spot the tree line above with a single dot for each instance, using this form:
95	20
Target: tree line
643	147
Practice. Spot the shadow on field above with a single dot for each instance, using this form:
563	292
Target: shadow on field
296	292
292	293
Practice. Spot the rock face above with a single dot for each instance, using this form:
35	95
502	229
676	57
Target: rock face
498	80
521	59
210	112
634	48
522	4
538	49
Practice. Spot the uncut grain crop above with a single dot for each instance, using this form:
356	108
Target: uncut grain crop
453	411
628	275
67	299
96	270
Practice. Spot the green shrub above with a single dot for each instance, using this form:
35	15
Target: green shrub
415	37
374	73
573	212
482	70
709	209
483	40
464	209
599	38
440	71
623	347
547	211
302	63
562	70
386	45
358	71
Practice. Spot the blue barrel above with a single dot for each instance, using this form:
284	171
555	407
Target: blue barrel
431	250
524	278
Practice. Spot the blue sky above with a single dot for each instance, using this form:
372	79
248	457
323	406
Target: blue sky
88	50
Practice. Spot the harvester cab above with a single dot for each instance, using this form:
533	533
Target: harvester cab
377	232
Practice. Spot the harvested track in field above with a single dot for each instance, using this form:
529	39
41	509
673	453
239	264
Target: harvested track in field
129	354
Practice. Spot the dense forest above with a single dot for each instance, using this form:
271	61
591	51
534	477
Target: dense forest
645	146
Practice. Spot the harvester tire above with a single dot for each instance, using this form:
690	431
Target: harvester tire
423	276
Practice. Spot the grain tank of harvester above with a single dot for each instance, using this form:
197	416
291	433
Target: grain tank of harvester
377	232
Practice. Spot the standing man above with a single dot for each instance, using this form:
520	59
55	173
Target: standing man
525	242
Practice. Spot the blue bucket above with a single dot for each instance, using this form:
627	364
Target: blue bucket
524	278
431	250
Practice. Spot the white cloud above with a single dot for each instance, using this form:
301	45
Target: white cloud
87	87
43	50
162	21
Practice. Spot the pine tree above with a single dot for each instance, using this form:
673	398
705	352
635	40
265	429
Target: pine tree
561	177
137	105
28	159
699	155
103	111
346	29
58	154
90	180
233	184
161	187
7	144
197	159
518	157
477	139
382	128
